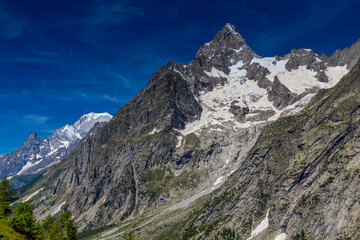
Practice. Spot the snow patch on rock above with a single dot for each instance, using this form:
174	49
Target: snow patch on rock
215	73
58	208
261	227
218	181
31	195
281	236
155	130
27	166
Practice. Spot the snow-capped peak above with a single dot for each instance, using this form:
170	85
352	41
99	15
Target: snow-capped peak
87	121
36	155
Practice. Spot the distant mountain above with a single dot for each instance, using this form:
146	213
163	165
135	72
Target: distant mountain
185	134
35	155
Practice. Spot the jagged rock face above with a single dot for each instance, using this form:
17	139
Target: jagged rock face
304	57
227	47
16	160
258	73
166	102
303	170
346	56
281	95
186	132
35	155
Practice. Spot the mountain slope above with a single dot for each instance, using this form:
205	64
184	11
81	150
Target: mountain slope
35	155
185	133
300	178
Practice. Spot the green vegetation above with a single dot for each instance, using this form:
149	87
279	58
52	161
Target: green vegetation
156	180
91	232
23	221
192	141
162	180
299	236
28	180
7	196
7	232
327	182
129	236
18	222
226	234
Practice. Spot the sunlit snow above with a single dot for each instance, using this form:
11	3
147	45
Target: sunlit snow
58	208
281	236
31	195
219	180
27	166
261	227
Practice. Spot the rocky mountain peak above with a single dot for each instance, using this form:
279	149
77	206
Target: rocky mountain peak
229	37
227	48
347	56
301	51
33	138
225	43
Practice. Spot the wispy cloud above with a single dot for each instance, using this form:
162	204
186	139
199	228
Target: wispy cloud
32	56
112	13
111	98
119	78
37	119
103	13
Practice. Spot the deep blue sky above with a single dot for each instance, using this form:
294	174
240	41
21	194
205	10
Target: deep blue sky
62	59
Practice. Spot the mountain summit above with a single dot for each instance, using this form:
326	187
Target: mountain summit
226	48
228	38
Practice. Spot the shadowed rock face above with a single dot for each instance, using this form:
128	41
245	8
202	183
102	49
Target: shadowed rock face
258	73
165	103
147	155
304	57
348	56
281	95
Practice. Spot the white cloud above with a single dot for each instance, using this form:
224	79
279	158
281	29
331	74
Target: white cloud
111	98
37	119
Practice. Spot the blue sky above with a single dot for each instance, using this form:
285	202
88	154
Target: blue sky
62	59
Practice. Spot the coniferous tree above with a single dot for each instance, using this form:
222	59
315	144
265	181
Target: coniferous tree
7	196
67	226
64	229
51	229
23	222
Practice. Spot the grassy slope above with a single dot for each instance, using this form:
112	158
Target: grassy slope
7	233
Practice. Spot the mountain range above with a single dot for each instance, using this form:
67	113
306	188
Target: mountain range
36	155
232	144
